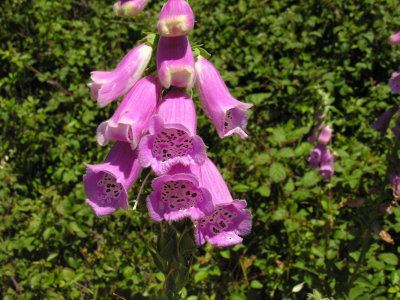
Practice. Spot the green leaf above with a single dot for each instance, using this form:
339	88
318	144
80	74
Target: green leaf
389	258
255	284
277	172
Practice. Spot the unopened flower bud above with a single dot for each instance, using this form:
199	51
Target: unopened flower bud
325	135
394	39
129	8
176	18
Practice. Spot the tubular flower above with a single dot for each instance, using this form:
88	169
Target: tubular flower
383	121
227	114
106	184
395	185
394	82
325	135
176	18
229	218
394	39
178	195
175	62
172	137
315	157
129	8
110	85
326	168
131	120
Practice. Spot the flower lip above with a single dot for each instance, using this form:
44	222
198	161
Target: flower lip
178	196
106	184
223	227
109	195
168	145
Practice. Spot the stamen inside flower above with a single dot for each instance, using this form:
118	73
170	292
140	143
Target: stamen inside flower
109	190
220	220
180	195
170	143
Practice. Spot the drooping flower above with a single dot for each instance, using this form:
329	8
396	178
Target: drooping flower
129	8
107	184
325	135
176	18
175	62
172	135
110	85
178	195
229	220
396	128
394	39
131	120
326	167
395	185
394	82
315	157
382	123
227	114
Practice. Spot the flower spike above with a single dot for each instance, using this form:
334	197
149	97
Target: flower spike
172	137
227	114
110	85
175	62
131	120
176	18
107	184
178	195
229	219
129	8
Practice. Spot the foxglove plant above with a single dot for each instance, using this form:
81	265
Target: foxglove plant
320	157
160	132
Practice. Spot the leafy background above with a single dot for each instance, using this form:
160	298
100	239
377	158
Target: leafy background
285	57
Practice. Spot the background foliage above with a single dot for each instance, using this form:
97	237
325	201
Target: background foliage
283	56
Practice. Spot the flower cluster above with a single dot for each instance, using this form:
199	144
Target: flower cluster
155	126
320	157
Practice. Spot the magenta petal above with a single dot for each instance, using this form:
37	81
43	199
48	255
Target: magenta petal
107	184
176	18
129	8
108	86
172	139
394	82
131	120
178	196
315	156
227	114
394	39
225	239
326	168
325	135
229	219
175	62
